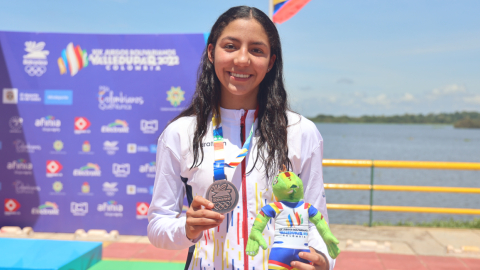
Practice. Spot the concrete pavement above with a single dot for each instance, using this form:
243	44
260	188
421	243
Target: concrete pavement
363	248
409	240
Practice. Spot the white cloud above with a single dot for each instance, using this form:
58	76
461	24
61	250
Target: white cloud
332	99
408	98
447	90
378	100
358	94
473	99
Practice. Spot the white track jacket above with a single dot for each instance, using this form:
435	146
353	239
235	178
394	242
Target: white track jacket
224	247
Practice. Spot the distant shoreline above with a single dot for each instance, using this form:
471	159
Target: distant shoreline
457	119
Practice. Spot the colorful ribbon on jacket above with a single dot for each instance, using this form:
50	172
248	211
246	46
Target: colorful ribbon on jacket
219	152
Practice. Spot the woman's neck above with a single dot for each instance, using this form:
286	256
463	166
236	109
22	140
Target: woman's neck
237	102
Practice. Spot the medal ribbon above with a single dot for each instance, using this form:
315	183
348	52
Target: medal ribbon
219	152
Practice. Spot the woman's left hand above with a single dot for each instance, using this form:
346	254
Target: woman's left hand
318	261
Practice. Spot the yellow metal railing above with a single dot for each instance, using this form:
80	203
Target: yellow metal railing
403	188
401	165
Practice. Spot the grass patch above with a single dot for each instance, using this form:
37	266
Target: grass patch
451	223
135	265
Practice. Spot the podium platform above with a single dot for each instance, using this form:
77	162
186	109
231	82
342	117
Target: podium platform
39	254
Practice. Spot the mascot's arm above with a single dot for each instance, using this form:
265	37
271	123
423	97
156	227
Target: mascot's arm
326	234
256	239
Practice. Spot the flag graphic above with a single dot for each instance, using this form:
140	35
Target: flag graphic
72	60
283	10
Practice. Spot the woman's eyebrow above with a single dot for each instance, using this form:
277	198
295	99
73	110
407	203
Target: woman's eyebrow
231	38
259	43
237	40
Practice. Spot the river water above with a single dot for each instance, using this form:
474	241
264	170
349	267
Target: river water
400	142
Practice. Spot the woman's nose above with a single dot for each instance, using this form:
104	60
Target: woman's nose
243	58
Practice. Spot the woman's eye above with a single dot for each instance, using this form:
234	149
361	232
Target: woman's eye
229	46
257	51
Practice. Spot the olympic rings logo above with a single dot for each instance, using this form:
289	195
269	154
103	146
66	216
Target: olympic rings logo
35	70
222	205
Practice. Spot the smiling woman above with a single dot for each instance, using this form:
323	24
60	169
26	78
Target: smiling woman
239	90
242	58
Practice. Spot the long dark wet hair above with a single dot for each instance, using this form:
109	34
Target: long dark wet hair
272	145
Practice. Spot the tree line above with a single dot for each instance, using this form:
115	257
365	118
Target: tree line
458	119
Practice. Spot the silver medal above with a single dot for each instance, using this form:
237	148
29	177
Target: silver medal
223	195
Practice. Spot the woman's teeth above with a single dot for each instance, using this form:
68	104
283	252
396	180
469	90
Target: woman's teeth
243	76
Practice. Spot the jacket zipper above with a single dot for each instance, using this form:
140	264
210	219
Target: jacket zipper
244	195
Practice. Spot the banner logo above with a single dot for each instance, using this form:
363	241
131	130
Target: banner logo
49	124
133	148
10	96
20	166
58	97
142	210
175	95
110	188
79	209
21	147
11	207
16	124
107	100
133	189
85	188
53	168
119	126
111	209
21	188
148	126
86	147
153	148
49	208
81	125
35	61
149	169
110	147
134	59
121	170
73	59
57	186
90	170
58	145
29	97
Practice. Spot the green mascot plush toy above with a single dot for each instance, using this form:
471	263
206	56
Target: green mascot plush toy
291	216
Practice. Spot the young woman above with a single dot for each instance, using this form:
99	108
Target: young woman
240	85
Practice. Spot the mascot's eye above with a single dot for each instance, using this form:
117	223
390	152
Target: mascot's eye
275	181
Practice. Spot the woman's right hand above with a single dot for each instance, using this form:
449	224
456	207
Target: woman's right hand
200	217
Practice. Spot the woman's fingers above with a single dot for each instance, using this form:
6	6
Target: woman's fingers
197	211
317	261
205	213
199	201
203	228
302	266
313	257
200	217
201	221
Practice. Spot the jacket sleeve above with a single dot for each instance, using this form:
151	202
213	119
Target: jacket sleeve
312	177
166	228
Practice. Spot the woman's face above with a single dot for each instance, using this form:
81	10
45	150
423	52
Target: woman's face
241	58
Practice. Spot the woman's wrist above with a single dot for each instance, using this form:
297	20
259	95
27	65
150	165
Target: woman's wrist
327	263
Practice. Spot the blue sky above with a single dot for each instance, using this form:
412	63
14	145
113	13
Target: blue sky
341	57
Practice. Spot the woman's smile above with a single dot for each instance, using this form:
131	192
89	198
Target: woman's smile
239	76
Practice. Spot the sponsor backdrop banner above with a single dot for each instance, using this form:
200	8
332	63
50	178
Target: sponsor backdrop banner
79	120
